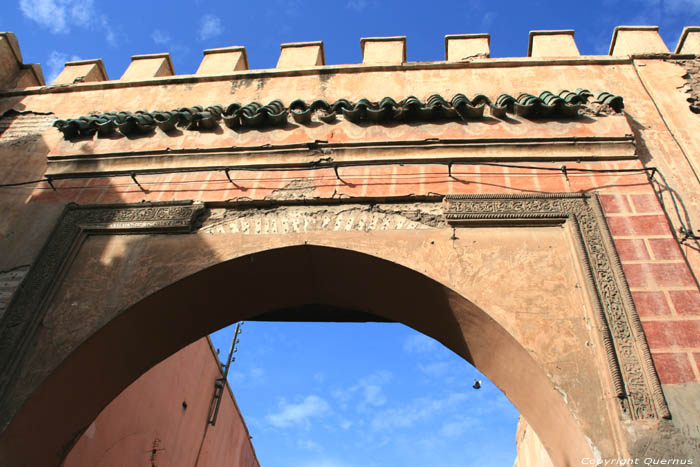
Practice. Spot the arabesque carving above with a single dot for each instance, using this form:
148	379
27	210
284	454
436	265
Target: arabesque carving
629	359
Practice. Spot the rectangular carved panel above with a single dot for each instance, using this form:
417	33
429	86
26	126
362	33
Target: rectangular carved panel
629	359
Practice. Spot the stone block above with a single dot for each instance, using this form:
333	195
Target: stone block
614	204
651	304
82	71
632	40
672	333
148	66
689	42
464	46
638	225
673	368
30	75
383	50
10	58
665	249
552	44
223	60
686	302
301	55
631	249
655	275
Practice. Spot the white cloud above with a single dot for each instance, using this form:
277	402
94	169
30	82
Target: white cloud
373	395
435	370
656	12
369	388
420	343
55	64
325	462
110	34
47	13
81	12
160	37
456	428
682	7
309	445
209	26
298	414
416	410
59	16
357	5
487	20
255	376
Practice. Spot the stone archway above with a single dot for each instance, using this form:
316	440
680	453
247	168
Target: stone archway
158	292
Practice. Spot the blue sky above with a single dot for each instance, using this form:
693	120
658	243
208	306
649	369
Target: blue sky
364	395
334	395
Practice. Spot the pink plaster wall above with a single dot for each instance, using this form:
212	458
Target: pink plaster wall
148	424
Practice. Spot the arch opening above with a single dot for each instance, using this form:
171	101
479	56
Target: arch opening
283	280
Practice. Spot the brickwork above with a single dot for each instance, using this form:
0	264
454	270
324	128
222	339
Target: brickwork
663	288
15	125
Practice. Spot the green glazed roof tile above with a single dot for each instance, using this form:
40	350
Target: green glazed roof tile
564	103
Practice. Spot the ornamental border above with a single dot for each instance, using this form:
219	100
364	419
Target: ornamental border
29	303
631	368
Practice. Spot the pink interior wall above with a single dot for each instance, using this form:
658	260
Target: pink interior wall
161	420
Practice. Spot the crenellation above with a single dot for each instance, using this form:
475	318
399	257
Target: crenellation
461	47
148	66
223	60
689	42
378	51
82	71
383	50
557	43
387	51
633	40
301	55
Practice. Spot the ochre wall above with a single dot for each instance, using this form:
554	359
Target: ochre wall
162	420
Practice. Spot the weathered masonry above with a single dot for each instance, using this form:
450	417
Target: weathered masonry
537	215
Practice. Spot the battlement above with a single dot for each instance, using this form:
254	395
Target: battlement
460	49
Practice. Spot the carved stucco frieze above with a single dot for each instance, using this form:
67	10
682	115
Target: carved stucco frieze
629	359
339	218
